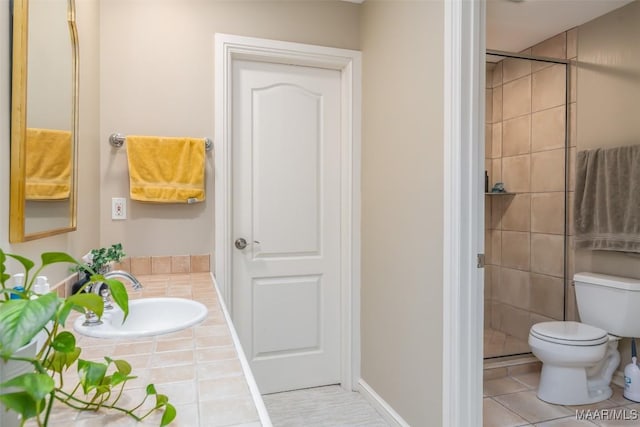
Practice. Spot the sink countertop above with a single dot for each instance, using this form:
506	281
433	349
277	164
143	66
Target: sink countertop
202	368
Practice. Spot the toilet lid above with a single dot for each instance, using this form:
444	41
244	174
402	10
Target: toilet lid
569	333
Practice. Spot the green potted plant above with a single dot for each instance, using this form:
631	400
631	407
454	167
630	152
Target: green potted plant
32	393
99	261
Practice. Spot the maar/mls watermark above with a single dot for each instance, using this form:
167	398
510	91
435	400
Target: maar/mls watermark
615	414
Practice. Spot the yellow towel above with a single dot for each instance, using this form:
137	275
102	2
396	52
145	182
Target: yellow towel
166	170
48	164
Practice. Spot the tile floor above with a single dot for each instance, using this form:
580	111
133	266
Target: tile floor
511	401
498	343
321	407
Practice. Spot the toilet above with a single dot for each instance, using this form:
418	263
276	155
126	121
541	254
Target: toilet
580	358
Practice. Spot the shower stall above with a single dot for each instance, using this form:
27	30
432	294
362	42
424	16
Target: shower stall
526	224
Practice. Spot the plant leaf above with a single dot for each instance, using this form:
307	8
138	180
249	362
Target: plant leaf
22	319
64	342
169	415
55	257
151	389
38	386
91	374
3	276
26	262
58	361
161	400
123	366
119	295
21	403
91	302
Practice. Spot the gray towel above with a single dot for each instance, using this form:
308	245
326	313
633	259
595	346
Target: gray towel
607	199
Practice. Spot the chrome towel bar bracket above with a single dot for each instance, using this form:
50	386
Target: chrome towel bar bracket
117	141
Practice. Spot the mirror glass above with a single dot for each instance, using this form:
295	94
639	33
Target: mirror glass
44	119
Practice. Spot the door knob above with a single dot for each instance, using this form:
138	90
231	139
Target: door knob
241	243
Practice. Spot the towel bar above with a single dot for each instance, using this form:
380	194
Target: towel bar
117	141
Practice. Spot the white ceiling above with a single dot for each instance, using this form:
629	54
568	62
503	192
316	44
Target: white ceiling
513	26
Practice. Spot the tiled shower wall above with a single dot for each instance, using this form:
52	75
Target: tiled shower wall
525	149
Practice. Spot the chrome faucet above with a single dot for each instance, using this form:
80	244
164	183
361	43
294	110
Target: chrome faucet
121	274
102	289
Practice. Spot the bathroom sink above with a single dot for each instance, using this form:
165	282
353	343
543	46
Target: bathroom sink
147	317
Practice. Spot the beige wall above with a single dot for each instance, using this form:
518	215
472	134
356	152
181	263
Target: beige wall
157	77
79	242
525	149
402	181
607	111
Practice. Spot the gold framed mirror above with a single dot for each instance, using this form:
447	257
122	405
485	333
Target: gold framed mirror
44	119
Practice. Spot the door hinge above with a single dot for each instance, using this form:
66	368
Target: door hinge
480	260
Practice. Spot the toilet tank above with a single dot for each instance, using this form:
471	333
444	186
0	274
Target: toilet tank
608	302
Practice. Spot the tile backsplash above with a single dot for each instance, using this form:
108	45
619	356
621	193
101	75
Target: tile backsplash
147	265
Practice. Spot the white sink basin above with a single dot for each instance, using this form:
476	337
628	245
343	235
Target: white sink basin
147	317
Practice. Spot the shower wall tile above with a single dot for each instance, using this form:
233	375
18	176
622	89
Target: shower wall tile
496	166
487	214
497	104
488	285
572	43
488	140
572	168
515	288
515	173
572	304
547	171
547	296
573	130
515	250
514	68
488	244
570	226
496	316
488	81
516	98
548	88
516	136
555	47
488	106
547	213
497	74
548	129
496	141
515	321
496	247
516	212
524	148
573	81
547	254
496	212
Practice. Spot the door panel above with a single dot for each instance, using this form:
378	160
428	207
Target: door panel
286	204
286	157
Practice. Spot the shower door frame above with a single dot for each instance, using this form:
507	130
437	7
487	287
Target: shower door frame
567	142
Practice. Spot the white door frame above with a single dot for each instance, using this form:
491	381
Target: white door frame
463	293
229	48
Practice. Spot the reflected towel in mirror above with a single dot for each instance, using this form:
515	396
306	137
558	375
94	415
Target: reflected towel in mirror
166	169
48	164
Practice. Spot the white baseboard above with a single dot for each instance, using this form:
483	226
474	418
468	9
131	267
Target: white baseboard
383	408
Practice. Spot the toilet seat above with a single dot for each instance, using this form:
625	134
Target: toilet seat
569	333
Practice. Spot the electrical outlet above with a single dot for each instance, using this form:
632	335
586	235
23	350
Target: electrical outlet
118	208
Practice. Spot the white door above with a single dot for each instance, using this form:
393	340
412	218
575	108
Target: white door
286	206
